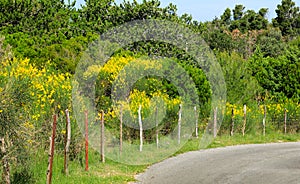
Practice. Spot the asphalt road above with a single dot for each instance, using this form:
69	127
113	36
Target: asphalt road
263	163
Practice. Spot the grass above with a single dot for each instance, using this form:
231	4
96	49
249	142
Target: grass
254	139
114	172
108	172
238	139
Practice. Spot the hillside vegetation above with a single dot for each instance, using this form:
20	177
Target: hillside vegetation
42	42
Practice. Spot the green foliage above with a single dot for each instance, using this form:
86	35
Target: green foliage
260	62
288	18
249	20
35	17
238	34
5	51
226	17
241	86
238	12
274	74
218	40
271	43
29	97
98	16
119	73
275	111
14	100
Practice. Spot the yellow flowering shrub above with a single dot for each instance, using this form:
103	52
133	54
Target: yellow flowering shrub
143	92
138	98
47	91
275	112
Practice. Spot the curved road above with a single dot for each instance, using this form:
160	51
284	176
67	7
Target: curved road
277	163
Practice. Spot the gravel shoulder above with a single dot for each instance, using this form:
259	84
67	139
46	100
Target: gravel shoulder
274	163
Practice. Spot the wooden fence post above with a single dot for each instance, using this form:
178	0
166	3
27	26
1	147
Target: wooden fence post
102	137
285	117
215	121
5	163
245	119
156	125
121	129
196	123
86	142
67	141
264	120
51	151
141	128
179	122
232	122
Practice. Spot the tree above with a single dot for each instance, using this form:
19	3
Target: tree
261	17
263	12
241	85
36	17
226	16
250	20
287	18
280	76
238	12
271	42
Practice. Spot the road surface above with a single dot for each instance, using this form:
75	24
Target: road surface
276	163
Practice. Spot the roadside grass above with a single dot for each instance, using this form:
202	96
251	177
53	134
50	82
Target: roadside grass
108	172
239	139
114	172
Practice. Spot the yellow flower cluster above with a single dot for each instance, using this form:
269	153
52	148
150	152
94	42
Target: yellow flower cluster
237	110
115	65
138	98
18	69
111	114
49	90
52	91
28	125
275	108
111	69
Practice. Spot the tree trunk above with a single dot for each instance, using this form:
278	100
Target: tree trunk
141	128
5	163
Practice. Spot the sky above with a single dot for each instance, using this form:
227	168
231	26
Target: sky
207	10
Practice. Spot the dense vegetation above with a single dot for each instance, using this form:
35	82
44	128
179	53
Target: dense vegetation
42	42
